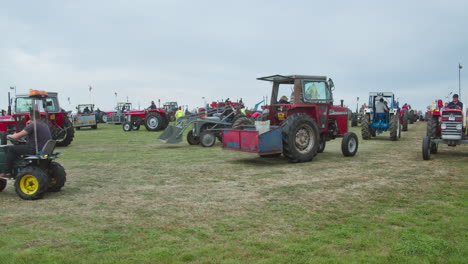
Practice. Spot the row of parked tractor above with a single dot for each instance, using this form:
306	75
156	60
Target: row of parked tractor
298	128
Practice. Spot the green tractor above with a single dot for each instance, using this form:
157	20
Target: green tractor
34	175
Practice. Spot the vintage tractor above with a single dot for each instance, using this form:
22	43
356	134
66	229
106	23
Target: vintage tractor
153	119
60	125
37	174
85	117
299	128
376	123
444	126
118	115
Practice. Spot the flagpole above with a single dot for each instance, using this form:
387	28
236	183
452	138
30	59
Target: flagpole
459	79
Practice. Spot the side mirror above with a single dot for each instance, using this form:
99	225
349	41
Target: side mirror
331	84
440	103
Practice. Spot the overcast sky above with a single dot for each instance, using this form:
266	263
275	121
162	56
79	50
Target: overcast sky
185	50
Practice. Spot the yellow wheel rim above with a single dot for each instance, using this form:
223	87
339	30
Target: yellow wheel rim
29	184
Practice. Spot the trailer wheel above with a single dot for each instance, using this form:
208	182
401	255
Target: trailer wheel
365	129
300	138
349	144
207	139
154	122
191	139
31	183
127	126
57	177
426	148
3	184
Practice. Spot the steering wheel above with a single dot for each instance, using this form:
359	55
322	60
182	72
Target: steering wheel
20	141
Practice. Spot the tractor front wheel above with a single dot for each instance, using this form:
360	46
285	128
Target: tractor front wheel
349	144
207	139
31	183
154	122
300	138
127	126
191	139
365	129
57	177
322	144
426	148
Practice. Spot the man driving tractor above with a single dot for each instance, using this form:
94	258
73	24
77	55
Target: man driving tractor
455	104
14	152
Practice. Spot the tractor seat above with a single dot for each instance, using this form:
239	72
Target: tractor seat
48	147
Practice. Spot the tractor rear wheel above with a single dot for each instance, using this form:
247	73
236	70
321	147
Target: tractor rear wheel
365	129
127	126
191	139
57	177
426	148
432	125
103	117
207	139
242	121
300	138
349	144
405	120
31	183
3	138
394	127
3	184
65	137
154	122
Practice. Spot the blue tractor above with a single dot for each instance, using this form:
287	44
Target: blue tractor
374	123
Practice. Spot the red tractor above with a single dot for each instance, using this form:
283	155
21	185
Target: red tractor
444	126
299	127
60	125
153	119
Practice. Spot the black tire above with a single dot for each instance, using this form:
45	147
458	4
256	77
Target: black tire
103	117
432	126
3	138
426	145
154	122
191	139
322	144
242	121
412	116
354	123
405	120
94	127
135	127
172	116
31	183
349	144
300	138
64	139
270	155
394	127
127	126
207	139
57	177
3	184
365	128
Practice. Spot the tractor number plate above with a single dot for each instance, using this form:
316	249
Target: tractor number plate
452	117
281	116
52	117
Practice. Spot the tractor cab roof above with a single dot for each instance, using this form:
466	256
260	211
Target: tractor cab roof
49	94
383	94
290	78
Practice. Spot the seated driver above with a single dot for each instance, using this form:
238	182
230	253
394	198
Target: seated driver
381	107
283	100
14	152
455	104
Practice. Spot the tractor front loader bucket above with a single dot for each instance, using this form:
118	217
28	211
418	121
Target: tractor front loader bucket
172	135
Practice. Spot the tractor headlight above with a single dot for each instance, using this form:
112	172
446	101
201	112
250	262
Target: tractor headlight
443	126
459	126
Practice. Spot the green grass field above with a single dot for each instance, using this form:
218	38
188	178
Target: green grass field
132	199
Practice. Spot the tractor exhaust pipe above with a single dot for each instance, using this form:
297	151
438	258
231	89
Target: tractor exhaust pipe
9	104
341	102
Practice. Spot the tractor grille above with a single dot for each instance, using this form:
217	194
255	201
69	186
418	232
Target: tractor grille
451	129
456	115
